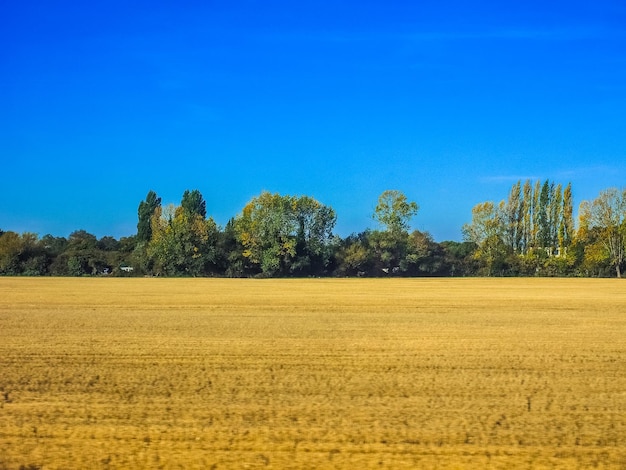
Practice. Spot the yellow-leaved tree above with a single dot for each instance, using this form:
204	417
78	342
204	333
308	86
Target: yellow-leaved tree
603	224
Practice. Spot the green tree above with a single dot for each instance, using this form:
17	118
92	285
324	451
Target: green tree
230	252
354	256
566	230
83	256
536	224
527	217
556	217
390	246
544	234
389	250
512	218
127	244
194	203
36	260
459	258
55	248
107	243
394	211
22	254
81	240
315	224
266	229
486	231
11	247
183	243
145	211
285	234
424	257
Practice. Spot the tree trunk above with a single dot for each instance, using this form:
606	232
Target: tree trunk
619	273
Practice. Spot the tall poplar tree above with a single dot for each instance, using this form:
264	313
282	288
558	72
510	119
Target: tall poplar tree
556	216
543	216
568	219
536	217
527	217
145	212
511	218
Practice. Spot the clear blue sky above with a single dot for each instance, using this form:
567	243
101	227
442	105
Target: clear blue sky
450	102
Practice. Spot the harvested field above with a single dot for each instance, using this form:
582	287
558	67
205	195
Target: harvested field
320	373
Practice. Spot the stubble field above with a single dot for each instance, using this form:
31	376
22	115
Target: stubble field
341	373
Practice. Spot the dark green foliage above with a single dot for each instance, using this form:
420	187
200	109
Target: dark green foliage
230	260
145	211
80	240
194	203
531	233
459	258
53	246
354	256
286	235
22	255
127	244
108	244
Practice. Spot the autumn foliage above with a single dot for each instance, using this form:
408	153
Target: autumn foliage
530	233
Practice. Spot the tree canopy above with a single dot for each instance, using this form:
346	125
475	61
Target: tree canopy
285	234
531	232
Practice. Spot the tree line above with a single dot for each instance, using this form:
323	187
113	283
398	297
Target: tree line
530	233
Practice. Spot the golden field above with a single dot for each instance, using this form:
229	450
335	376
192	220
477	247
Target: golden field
321	373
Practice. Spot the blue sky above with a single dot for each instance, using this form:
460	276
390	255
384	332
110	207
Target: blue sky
450	102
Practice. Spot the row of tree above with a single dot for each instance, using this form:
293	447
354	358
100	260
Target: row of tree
532	232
